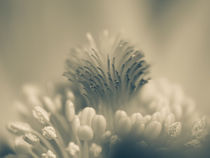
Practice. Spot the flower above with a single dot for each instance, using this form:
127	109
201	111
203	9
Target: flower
116	119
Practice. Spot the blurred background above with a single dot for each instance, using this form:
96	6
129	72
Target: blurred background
36	36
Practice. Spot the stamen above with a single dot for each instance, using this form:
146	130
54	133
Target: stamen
18	128
49	132
70	111
98	125
85	132
174	129
48	154
73	149
41	115
95	150
31	138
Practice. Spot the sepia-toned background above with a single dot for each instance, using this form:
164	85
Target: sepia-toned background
36	36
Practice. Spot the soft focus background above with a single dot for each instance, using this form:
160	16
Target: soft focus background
36	36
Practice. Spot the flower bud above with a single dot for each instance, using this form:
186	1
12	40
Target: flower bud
137	123
18	128
87	115
85	132
119	114
99	125
70	111
49	132
95	150
73	149
174	129
48	154
49	104
136	117
123	125
41	115
31	138
152	130
21	146
75	123
70	95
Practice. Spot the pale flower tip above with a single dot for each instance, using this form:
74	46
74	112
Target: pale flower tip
21	146
91	40
87	115
18	128
70	110
123	125
119	114
49	132
174	129
99	125
95	150
70	95
75	123
136	117
31	138
49	104
41	115
85	133
152	130
48	154
73	149
138	125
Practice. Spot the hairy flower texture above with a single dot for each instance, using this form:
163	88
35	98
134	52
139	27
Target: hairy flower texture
108	72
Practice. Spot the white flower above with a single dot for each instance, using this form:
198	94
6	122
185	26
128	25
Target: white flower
106	79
